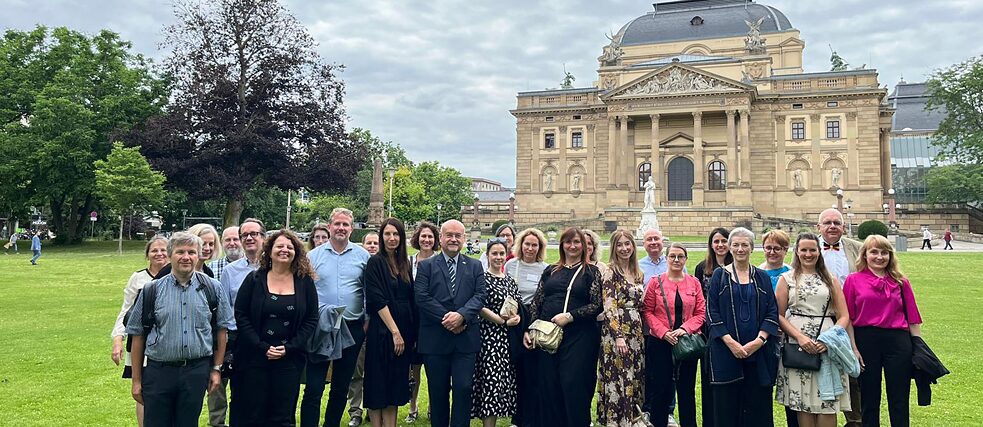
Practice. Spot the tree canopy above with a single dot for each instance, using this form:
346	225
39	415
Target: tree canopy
958	91
254	104
125	182
64	93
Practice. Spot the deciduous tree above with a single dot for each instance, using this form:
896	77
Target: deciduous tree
958	91
125	183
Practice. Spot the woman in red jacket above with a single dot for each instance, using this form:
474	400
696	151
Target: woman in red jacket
687	312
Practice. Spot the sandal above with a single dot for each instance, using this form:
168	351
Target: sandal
412	416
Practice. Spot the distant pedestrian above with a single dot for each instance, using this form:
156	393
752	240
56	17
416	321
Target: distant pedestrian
36	247
12	243
926	239
948	239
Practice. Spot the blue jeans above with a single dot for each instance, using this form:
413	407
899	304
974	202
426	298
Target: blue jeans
37	254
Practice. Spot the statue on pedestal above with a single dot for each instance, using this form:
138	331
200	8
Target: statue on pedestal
649	219
649	195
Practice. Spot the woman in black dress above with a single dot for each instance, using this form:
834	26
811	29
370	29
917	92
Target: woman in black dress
567	379
276	313
494	389
392	326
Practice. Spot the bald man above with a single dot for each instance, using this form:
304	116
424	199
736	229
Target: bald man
840	255
450	291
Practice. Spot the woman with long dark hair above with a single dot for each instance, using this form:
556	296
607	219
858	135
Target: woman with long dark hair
810	302
276	313
567	378
392	327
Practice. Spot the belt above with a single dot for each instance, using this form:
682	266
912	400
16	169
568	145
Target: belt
177	363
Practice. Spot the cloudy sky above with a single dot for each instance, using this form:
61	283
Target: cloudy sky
439	76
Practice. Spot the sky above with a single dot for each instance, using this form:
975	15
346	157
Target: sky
439	77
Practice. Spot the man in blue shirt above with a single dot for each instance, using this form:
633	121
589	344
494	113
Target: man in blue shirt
655	263
184	353
338	264
36	247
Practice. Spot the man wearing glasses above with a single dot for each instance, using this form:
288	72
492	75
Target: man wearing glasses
840	255
252	235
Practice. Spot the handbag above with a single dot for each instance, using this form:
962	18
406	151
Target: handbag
510	307
642	420
689	346
546	334
794	357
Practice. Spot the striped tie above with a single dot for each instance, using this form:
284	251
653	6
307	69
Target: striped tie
452	268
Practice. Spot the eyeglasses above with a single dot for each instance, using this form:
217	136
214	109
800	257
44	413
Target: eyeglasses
676	257
775	249
454	235
253	234
829	223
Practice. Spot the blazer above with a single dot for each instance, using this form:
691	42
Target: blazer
434	299
852	249
694	305
250	347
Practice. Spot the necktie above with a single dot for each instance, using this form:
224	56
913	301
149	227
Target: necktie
834	246
452	269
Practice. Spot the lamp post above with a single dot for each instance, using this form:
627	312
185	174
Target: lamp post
849	216
892	210
512	209
839	200
438	213
392	174
184	219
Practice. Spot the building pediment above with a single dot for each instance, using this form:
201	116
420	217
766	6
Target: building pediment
677	79
679	139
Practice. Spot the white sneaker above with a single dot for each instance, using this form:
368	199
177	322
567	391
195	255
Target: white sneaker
672	422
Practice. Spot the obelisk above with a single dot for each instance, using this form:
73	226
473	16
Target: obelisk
376	198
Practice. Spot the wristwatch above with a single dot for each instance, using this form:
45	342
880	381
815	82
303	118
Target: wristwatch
217	368
763	339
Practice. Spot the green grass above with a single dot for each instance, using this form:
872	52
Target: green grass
55	321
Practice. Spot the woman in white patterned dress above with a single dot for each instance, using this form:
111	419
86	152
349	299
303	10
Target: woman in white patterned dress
810	301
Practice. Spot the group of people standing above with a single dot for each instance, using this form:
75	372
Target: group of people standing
271	313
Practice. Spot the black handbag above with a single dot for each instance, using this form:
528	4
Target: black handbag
689	346
794	357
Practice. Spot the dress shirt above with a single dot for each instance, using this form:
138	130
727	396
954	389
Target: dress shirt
526	276
653	268
339	277
876	301
218	266
232	276
836	262
183	329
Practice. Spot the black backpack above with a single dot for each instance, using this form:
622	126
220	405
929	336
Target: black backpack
150	303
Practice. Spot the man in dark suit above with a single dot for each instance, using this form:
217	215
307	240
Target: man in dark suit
450	291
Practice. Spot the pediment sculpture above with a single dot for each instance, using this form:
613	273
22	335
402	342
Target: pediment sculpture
676	80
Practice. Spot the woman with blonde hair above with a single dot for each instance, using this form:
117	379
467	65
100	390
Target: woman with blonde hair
622	367
210	249
592	244
885	316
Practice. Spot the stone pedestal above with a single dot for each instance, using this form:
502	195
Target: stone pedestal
649	222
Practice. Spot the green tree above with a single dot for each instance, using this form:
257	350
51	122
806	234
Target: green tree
958	92
63	94
319	208
445	185
394	155
125	182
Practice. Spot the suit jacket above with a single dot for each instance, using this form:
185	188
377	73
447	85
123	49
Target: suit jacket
852	249
434	299
250	345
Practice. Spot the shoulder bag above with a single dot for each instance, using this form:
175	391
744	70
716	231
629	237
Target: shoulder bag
689	346
547	335
795	357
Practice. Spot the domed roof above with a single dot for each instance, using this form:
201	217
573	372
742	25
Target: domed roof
701	19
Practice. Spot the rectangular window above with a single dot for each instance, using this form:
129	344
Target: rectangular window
550	118
832	129
832	104
550	141
798	130
576	117
796	106
577	140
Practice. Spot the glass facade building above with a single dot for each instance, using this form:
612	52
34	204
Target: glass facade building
912	152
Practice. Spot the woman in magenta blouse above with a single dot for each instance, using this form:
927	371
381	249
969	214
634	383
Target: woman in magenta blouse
884	317
687	310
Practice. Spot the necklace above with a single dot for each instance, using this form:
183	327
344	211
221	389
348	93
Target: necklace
745	293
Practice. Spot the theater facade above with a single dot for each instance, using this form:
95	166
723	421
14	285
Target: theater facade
708	99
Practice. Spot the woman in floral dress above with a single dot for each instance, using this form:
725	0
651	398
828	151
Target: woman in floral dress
494	389
622	371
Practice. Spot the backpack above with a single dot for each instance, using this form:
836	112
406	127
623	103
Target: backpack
149	319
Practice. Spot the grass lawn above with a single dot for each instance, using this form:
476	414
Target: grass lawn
55	321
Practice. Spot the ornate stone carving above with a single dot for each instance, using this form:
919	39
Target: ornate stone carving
609	82
611	54
851	115
753	43
548	181
814	117
834	176
756	70
675	80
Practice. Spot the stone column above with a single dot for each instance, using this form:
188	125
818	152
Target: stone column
612	152
590	143
562	184
887	179
733	165
745	154
815	157
781	180
654	149
698	163
852	158
535	174
627	153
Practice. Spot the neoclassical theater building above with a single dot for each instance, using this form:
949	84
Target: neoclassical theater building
708	98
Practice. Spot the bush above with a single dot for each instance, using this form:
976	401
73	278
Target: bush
871	227
499	223
359	233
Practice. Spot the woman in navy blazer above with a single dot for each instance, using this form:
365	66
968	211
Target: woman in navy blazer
742	314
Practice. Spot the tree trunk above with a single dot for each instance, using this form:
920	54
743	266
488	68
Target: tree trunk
121	234
233	210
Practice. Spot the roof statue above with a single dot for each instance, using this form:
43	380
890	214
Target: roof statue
754	43
612	52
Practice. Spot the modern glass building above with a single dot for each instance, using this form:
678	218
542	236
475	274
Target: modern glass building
912	153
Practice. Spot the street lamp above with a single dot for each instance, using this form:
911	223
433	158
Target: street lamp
184	219
849	216
392	173
438	213
892	210
512	208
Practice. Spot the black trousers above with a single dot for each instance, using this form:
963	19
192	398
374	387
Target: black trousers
887	350
743	403
925	242
172	395
567	380
341	378
948	245
706	391
670	379
445	371
525	380
266	395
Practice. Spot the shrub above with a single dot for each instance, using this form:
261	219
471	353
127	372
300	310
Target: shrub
871	227
498	223
359	233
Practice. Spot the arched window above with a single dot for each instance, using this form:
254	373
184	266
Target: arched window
644	172
717	175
